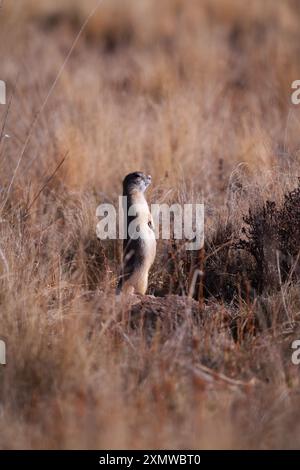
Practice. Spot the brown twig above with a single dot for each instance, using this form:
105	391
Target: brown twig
46	183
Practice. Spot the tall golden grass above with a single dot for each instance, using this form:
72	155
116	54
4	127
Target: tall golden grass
197	93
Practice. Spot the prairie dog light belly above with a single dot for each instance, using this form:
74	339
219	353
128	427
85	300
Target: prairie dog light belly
146	232
138	281
140	245
148	245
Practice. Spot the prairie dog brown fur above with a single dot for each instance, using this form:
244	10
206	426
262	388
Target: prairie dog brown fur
138	253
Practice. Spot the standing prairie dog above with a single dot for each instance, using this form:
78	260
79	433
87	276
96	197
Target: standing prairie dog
139	249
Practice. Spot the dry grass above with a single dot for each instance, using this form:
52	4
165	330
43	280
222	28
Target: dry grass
197	93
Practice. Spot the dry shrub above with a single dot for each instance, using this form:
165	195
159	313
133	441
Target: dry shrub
272	238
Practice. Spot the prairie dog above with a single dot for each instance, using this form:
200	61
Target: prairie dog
138	250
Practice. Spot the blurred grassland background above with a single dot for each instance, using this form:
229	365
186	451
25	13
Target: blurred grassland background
198	94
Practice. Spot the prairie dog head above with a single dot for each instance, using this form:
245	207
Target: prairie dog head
136	182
